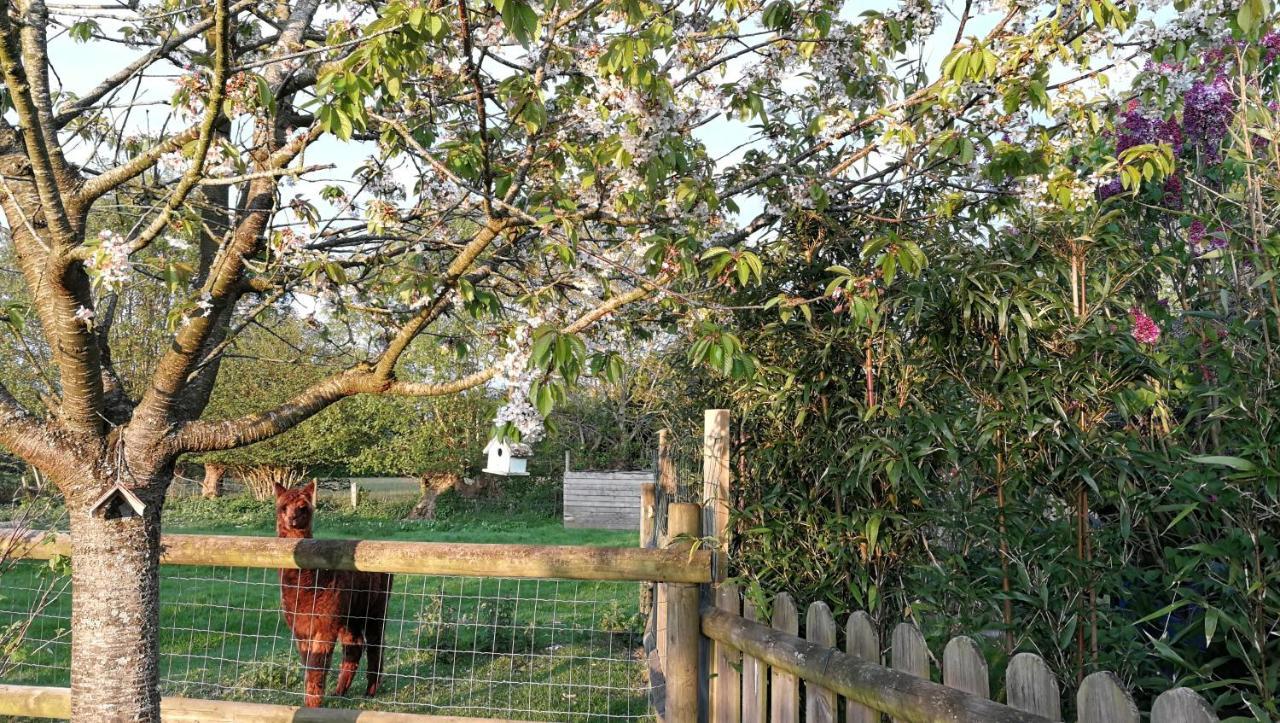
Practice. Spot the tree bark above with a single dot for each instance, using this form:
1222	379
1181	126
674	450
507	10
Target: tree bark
115	617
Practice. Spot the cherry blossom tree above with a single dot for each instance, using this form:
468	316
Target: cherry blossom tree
526	175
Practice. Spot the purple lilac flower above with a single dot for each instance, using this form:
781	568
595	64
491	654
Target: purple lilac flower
1172	197
1109	189
1138	126
1206	111
1271	41
1196	233
1145	329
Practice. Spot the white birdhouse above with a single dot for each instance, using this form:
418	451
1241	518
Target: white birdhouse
507	458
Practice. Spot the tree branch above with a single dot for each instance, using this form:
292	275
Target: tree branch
27	436
35	137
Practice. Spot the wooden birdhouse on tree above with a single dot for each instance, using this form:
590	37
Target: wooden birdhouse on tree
117	503
508	459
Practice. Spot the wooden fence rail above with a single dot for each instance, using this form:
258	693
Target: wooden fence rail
774	660
564	562
44	702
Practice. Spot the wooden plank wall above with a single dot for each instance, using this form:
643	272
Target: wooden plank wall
604	500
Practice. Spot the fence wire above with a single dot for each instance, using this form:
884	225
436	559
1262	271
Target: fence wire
550	650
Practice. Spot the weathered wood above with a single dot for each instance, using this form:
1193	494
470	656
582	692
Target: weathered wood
683	638
861	643
355	494
417	558
965	668
32	701
784	685
40	702
820	628
726	683
1031	687
648	515
755	689
666	465
1182	705
908	652
716	484
647	542
1102	699
606	500
890	691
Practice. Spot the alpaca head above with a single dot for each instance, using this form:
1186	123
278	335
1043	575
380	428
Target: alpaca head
295	507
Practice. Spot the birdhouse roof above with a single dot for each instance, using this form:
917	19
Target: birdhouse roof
515	449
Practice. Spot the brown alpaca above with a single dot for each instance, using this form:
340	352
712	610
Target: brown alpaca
323	607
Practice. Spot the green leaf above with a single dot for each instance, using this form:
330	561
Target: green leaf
1236	463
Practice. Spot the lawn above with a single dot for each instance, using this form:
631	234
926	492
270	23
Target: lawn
522	649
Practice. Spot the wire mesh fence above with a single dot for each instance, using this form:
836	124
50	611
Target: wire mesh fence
477	647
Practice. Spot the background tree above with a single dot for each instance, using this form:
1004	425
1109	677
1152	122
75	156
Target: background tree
526	170
1059	425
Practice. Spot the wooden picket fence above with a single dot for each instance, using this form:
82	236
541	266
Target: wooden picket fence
762	672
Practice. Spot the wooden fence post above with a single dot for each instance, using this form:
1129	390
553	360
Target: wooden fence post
908	651
647	542
355	494
1031	688
784	687
1182	705
755	683
1102	699
684	622
726	683
666	466
863	642
820	628
715	484
964	667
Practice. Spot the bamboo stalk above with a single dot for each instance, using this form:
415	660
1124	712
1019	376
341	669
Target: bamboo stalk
417	558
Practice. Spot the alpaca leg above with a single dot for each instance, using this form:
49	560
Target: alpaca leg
315	662
374	625
352	649
373	644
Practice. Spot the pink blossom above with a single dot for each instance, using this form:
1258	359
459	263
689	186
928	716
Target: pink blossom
1145	329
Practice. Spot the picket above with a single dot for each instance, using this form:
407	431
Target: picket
820	627
1102	699
862	642
726	684
965	668
784	687
755	689
1182	705
1030	687
908	651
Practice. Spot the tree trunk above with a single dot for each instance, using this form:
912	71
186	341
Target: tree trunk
211	488
432	486
115	617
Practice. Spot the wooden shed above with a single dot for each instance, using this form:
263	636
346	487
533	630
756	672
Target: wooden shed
605	500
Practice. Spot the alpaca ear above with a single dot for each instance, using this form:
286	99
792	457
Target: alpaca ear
280	489
311	489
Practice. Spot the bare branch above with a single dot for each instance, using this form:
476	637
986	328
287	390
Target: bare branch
72	110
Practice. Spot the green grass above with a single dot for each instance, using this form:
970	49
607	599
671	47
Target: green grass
527	649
